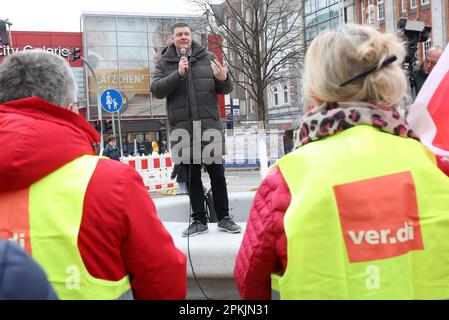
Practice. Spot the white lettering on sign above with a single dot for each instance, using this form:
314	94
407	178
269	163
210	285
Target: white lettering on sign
7	50
124	79
374	237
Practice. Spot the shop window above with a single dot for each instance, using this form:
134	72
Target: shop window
95	23
136	39
131	24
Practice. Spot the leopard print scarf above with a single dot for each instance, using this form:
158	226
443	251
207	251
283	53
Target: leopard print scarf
331	118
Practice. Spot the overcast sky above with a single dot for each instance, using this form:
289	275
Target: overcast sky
64	15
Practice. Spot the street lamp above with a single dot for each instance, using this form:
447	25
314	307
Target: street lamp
74	56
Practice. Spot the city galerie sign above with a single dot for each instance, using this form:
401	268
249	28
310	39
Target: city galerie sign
7	50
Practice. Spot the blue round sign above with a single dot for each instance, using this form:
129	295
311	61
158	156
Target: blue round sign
111	100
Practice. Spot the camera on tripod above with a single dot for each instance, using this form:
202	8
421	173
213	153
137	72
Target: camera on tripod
413	32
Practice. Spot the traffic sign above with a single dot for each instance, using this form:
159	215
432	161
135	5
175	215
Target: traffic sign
111	100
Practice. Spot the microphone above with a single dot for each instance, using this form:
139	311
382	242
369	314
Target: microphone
183	52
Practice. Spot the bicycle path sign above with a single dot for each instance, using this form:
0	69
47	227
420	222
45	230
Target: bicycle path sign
111	100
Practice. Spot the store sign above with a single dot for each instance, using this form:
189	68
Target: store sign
7	50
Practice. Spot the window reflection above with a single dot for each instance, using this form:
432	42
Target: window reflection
102	53
133	53
323	15
132	39
97	23
101	38
160	24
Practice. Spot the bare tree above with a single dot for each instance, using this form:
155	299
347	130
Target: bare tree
259	36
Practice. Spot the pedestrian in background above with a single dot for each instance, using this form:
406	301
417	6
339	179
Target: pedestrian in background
155	147
360	210
111	151
88	221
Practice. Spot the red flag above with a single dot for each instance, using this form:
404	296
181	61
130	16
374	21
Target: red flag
429	114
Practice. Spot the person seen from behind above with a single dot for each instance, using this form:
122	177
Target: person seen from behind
21	278
88	221
360	209
111	151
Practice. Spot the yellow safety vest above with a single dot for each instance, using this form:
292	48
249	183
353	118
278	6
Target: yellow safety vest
368	219
55	209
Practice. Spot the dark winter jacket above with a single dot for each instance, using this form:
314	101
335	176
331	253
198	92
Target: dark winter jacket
21	278
201	101
111	152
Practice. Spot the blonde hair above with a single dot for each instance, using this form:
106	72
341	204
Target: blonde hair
335	56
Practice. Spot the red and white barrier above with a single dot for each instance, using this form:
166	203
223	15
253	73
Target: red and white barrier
154	170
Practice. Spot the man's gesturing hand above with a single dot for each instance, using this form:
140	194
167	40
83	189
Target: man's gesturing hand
220	71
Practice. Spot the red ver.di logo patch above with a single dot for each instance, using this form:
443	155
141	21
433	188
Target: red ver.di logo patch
379	217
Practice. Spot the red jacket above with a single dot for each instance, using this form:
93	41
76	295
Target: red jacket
120	232
264	247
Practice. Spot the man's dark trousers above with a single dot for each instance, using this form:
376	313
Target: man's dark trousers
196	192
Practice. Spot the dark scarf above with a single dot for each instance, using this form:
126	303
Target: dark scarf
331	118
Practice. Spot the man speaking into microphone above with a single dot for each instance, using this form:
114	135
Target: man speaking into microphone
190	77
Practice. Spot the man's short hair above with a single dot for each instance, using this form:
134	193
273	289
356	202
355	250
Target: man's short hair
37	73
111	138
179	24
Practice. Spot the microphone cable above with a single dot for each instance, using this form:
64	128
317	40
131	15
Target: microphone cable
188	236
189	190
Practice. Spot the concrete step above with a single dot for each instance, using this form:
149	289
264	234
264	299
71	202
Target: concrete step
211	254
